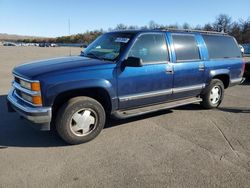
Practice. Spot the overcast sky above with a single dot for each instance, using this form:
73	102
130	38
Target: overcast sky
50	17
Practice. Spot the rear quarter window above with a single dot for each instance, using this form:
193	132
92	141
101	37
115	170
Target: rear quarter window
221	47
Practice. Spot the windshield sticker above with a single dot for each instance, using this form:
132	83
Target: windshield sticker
123	40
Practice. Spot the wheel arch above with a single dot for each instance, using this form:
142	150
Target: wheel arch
97	93
221	74
224	78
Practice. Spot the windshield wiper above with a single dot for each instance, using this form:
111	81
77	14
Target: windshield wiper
92	55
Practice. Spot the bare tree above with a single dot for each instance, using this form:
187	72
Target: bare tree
236	31
186	26
198	27
222	23
144	27
132	27
153	25
246	31
120	27
173	26
208	27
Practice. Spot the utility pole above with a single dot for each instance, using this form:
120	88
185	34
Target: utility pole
69	36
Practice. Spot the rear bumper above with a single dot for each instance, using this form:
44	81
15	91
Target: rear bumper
39	115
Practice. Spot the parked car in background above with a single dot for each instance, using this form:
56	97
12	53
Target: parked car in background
83	46
247	70
246	49
53	45
9	44
125	74
44	44
247	54
241	49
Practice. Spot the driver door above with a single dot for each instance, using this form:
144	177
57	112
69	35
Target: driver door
151	83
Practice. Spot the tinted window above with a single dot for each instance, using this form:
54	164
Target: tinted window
185	47
150	48
221	47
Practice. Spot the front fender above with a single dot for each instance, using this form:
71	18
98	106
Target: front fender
54	90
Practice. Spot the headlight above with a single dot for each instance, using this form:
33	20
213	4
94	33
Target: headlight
26	85
33	86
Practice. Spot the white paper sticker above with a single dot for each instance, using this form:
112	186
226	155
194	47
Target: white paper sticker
123	40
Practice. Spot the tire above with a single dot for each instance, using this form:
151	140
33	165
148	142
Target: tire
210	99
80	120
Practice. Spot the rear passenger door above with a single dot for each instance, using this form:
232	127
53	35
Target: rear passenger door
188	65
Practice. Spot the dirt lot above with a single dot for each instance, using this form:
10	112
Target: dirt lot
183	147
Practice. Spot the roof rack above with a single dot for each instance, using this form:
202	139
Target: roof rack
191	30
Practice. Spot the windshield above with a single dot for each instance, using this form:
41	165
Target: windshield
108	46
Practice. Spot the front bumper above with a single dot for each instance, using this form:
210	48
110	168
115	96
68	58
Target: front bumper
39	115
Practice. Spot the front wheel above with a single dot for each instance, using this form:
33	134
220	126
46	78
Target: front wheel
213	94
80	120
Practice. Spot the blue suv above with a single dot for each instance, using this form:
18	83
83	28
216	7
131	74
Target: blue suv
124	74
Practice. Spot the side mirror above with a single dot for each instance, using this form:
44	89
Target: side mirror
133	62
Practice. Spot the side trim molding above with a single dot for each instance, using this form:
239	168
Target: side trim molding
145	95
188	88
160	93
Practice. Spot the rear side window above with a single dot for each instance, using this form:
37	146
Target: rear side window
186	48
150	48
220	47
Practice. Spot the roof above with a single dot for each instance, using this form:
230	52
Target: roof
170	30
193	31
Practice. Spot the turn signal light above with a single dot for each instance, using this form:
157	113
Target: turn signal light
35	86
37	100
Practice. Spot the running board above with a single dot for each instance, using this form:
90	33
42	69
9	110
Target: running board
122	114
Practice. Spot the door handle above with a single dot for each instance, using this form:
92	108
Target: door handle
169	70
201	67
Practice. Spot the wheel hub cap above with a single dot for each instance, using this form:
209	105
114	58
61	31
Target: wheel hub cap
215	94
83	122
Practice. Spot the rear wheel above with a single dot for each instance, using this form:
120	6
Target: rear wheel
80	120
213	94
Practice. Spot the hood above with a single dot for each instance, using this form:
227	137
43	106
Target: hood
37	68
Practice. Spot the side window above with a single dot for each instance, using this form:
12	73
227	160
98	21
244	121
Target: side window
221	47
150	48
185	47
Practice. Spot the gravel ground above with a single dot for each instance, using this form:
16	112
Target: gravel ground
183	147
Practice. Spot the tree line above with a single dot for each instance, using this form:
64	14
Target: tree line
223	23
